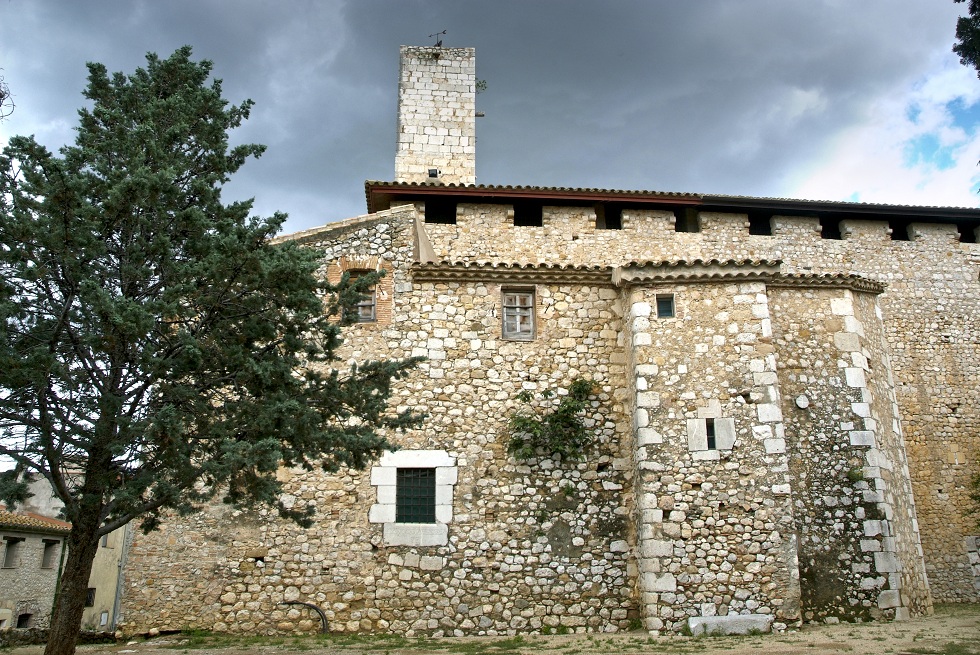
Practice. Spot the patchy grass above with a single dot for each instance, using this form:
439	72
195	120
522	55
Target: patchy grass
950	648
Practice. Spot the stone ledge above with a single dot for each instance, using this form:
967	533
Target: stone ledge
736	624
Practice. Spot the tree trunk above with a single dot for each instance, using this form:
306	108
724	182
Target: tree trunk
66	621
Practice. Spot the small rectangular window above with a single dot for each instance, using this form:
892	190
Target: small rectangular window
415	495
518	315
665	306
50	555
11	552
90	597
709	431
366	306
24	621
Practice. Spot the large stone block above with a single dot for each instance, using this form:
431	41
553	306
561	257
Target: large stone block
733	624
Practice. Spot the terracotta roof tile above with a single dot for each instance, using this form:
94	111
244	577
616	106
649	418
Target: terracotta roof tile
31	522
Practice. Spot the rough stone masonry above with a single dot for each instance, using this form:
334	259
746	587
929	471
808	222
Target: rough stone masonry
786	413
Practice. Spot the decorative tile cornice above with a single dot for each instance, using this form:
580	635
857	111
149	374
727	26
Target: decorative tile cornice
698	270
639	273
511	273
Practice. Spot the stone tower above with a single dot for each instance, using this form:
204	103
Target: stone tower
436	115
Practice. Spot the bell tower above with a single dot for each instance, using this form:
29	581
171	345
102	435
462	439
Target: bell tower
436	115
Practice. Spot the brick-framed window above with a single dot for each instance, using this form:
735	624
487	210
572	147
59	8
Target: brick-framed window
375	306
367	305
518	314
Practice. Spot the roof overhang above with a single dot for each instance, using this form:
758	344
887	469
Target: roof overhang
381	195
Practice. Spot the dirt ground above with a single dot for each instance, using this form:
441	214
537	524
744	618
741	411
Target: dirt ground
953	630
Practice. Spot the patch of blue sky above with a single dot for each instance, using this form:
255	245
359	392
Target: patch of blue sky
965	116
925	149
912	113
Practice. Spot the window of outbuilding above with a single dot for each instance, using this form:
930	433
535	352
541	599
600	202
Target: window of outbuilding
24	620
11	552
90	597
49	556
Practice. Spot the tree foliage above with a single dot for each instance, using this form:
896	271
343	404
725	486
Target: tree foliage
156	348
558	429
968	36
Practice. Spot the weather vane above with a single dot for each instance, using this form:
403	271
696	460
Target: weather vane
439	34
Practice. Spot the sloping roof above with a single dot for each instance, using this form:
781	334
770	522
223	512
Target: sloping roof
31	522
380	194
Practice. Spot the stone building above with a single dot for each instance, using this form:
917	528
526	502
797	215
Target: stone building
785	409
30	563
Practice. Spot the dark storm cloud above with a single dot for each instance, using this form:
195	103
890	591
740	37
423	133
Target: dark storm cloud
719	97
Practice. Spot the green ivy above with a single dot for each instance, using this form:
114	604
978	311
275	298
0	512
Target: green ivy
557	431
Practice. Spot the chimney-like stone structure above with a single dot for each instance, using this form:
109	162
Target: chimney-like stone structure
436	116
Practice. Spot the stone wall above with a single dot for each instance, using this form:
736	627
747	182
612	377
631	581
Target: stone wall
716	522
929	311
652	526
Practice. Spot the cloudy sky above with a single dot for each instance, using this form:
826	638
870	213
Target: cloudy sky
823	99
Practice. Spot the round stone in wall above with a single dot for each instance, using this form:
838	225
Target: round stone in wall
802	401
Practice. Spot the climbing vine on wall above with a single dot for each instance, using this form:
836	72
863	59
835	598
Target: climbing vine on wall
555	427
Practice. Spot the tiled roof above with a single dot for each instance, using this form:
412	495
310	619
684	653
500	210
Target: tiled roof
375	190
30	522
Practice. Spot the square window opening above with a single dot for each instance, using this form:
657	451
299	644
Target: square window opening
90	597
518	314
665	306
440	210
24	620
608	217
686	220
830	228
760	224
528	214
415	495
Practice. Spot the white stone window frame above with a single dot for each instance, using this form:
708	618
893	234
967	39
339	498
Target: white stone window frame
384	477
518	311
697	437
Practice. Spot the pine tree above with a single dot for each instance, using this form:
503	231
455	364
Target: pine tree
155	348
